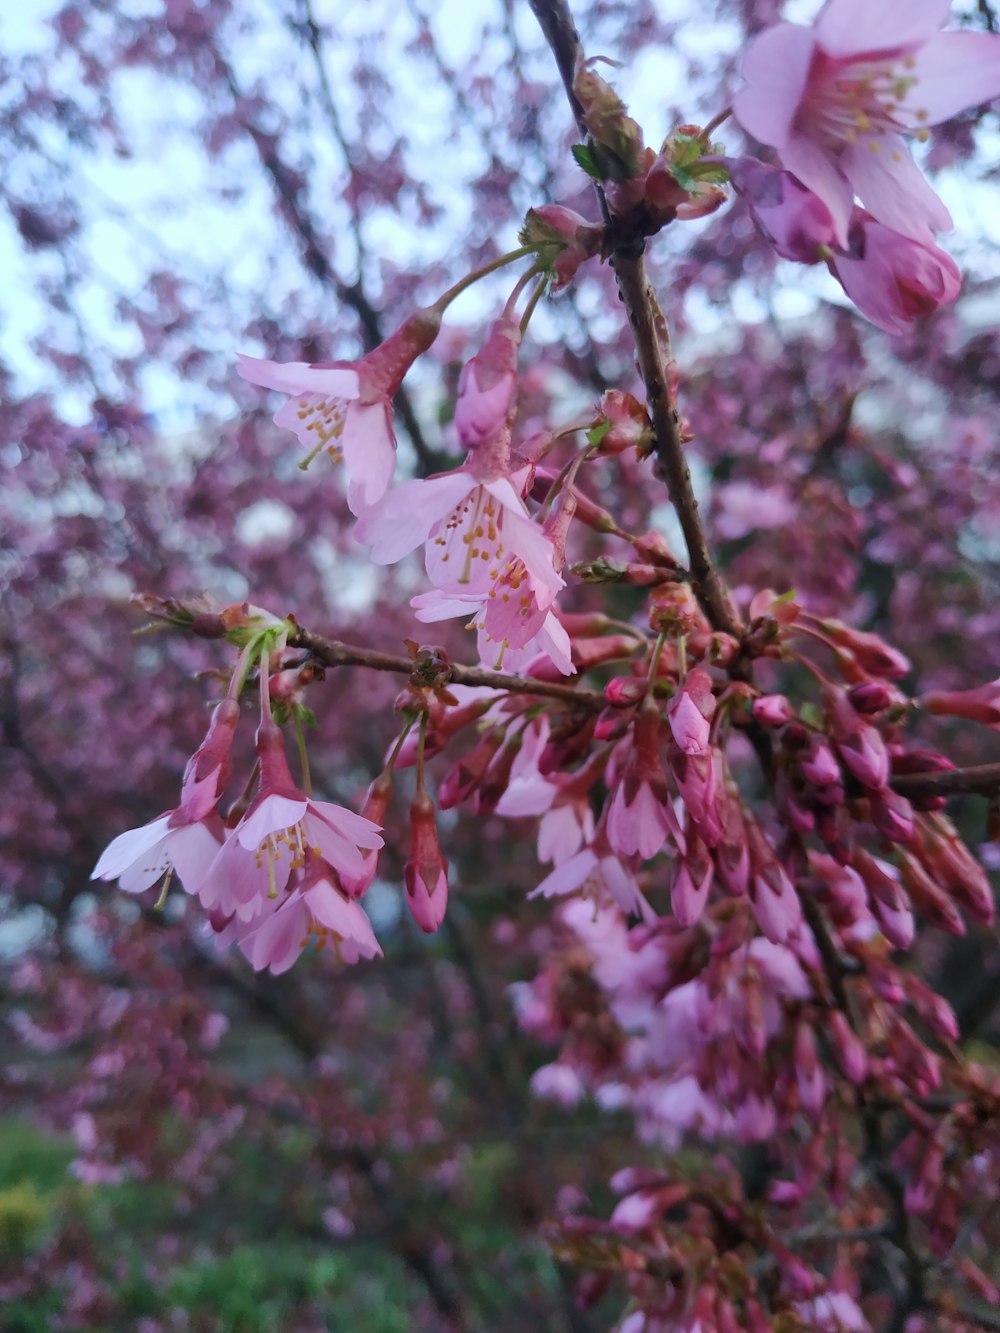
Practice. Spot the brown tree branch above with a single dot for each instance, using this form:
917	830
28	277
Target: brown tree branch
557	24
979	780
335	654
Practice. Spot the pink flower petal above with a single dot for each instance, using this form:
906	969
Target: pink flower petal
369	447
892	187
402	519
278	941
273	814
144	873
356	828
567	878
298	377
129	847
560	834
819	173
954	71
192	850
776	66
855	27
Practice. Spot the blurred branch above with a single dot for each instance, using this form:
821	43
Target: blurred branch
981	780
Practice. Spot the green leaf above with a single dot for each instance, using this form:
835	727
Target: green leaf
597	433
587	159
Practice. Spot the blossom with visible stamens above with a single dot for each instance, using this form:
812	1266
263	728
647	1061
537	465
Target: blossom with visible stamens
186	839
474	526
345	408
281	825
512	613
316	909
834	99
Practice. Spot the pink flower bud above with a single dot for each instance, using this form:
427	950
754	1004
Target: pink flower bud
625	691
772	710
796	222
210	767
892	815
690	711
487	384
426	872
894	279
869	651
873	696
927	896
819	765
689	891
464	777
847	1047
623	424
564	234
866	757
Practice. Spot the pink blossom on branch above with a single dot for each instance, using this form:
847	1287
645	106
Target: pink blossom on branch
346	407
835	98
893	279
316	909
271	841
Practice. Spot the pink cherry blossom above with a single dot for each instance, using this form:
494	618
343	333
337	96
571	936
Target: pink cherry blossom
140	857
563	802
835	98
891	278
346	407
796	222
597	874
280	826
317	908
473	529
641	815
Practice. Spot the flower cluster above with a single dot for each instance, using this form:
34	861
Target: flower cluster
834	101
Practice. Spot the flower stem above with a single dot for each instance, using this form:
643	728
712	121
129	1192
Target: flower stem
300	742
714	124
533	300
447	297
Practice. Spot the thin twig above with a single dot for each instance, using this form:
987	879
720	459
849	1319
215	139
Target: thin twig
332	653
556	22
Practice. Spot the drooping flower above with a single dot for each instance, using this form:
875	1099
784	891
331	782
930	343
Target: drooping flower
796	222
641	815
893	279
272	839
140	857
834	99
511	608
346	407
473	529
567	820
487	384
426	872
597	874
186	839
317	909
